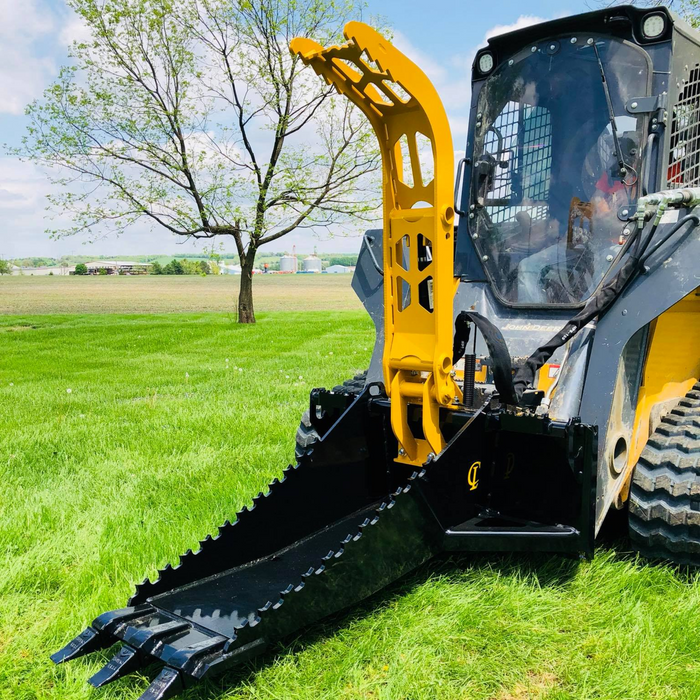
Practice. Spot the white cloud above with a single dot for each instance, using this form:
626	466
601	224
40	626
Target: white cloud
74	29
432	68
34	37
26	68
520	23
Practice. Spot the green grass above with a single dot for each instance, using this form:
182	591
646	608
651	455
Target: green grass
157	443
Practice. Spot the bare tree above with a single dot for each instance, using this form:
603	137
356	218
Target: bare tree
193	115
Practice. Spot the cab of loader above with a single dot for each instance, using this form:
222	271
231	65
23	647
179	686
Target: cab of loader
550	176
565	135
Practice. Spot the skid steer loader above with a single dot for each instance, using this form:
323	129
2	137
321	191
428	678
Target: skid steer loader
536	364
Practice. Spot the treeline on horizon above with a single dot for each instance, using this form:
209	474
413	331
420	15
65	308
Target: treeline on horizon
271	259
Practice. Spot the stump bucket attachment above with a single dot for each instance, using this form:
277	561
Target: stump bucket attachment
405	470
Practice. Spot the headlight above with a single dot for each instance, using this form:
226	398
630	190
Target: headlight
485	62
653	26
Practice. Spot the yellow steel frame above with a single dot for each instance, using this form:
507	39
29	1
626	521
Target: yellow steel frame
671	368
402	106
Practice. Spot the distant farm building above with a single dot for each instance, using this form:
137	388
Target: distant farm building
118	267
339	269
56	271
235	269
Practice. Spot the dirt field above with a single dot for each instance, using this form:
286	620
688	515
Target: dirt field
164	294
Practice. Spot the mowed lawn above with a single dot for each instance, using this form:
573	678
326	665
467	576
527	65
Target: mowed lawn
127	438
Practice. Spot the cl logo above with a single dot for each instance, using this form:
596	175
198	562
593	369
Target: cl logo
472	476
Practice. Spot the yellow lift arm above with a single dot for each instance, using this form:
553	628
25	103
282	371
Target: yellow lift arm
419	285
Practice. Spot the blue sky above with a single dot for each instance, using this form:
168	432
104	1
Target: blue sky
440	35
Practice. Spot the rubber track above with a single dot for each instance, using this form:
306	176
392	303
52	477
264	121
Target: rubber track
665	495
306	433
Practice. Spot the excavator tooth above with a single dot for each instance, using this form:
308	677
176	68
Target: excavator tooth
85	643
166	685
121	664
146	639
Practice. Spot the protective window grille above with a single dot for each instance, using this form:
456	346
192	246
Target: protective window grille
521	139
684	157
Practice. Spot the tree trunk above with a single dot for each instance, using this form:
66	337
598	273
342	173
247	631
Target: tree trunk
246	313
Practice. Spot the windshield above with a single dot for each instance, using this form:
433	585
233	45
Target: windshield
547	185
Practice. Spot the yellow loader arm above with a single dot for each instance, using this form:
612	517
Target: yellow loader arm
419	285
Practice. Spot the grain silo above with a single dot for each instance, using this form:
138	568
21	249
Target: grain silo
288	263
312	264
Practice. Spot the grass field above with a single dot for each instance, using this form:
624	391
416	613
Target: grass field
171	294
159	440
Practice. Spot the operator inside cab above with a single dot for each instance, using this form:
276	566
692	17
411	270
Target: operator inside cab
559	157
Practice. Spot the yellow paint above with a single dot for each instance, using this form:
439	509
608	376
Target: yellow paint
473	476
546	377
671	368
403	107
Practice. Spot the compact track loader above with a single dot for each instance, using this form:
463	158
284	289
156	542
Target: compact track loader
536	365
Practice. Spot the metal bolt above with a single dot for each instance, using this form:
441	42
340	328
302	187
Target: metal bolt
453	374
484	257
624	312
475	236
533	49
472	207
634	105
654	120
609	258
431	455
402	452
478	125
552	47
625	212
573	39
479	115
589	42
627	232
654	127
471	215
511	62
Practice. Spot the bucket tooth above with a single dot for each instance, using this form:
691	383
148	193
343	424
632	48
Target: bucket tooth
100	634
85	643
166	685
192	657
114	620
146	639
121	664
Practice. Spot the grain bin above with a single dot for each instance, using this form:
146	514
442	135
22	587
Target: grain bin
288	263
312	264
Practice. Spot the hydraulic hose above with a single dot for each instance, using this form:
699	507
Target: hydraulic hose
596	305
686	219
610	291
